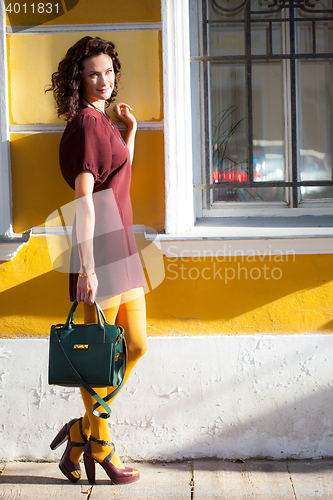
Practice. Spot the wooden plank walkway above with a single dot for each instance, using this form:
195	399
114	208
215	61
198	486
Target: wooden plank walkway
195	480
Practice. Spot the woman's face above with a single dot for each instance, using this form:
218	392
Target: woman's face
97	78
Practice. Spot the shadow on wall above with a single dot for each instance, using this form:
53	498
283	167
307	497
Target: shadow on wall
233	397
327	327
297	430
190	303
46	296
295	288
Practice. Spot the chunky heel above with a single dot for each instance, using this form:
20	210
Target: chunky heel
60	438
89	464
68	468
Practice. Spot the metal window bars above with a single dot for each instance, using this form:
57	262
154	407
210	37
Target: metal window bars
294	12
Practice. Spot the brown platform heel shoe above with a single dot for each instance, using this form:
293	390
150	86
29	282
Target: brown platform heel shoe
117	476
68	468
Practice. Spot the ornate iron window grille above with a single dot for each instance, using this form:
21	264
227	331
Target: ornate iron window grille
296	11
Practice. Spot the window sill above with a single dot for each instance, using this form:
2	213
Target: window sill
10	245
300	235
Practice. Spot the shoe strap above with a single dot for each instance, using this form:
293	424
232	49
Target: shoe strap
109	457
85	440
81	431
105	443
100	441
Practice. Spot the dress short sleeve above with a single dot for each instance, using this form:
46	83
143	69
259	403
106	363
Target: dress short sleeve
86	147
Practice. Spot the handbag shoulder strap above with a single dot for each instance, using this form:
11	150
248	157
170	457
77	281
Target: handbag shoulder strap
100	401
114	392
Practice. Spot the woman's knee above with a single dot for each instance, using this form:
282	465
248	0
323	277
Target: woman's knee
137	349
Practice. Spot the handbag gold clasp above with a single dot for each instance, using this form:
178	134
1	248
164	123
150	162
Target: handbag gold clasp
80	346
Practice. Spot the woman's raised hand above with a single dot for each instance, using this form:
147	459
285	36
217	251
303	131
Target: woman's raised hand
123	113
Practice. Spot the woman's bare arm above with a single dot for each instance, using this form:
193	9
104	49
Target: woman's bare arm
85	224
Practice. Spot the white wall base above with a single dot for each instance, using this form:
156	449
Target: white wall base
189	397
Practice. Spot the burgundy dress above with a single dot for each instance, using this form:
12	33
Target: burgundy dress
91	143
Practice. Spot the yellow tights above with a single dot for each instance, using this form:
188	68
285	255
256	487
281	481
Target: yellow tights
129	311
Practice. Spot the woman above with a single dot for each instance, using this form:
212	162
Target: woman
96	162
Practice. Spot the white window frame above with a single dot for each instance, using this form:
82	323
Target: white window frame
5	179
179	215
183	157
10	242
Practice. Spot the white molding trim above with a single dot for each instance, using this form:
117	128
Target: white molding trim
302	235
9	246
5	180
67	230
233	248
158	125
42	128
79	28
179	214
49	128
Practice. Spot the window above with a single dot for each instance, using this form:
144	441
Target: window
262	84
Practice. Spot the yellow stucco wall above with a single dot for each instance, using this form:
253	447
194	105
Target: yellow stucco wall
33	59
198	296
199	302
88	12
275	294
38	187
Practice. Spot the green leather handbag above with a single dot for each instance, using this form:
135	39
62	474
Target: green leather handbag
88	356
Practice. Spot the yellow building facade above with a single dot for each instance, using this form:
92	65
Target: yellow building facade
218	283
259	302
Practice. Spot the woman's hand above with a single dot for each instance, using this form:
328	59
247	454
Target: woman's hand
123	113
86	289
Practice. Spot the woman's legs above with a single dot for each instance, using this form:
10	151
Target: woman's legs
132	317
76	437
127	310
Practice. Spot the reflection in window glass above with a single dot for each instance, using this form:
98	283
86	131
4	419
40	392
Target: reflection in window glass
304	38
218	9
316	125
268	121
324	37
229	124
228	41
316	192
277	38
260	39
316	7
249	195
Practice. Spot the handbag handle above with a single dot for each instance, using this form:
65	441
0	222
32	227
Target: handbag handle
71	316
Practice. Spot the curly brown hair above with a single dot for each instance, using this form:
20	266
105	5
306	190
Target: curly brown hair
66	82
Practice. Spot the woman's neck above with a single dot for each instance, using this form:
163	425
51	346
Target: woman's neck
95	105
